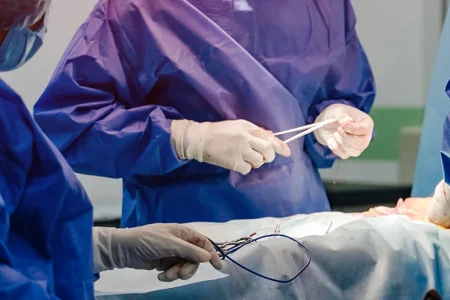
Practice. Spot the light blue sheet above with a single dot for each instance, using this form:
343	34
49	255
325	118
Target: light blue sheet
428	168
379	258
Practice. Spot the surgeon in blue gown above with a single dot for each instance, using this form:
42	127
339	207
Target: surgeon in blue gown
156	92
48	249
439	209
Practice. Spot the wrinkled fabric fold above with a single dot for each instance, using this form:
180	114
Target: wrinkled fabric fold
45	215
365	258
136	65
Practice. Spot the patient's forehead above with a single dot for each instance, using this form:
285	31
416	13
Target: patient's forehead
414	199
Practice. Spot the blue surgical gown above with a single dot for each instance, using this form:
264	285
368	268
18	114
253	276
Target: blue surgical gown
45	215
445	145
135	65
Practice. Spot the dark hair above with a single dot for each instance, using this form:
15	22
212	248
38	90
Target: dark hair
432	295
21	13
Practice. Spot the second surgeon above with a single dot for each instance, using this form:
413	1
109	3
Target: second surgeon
156	92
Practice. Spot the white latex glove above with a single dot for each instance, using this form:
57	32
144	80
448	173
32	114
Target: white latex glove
439	209
348	137
176	250
234	145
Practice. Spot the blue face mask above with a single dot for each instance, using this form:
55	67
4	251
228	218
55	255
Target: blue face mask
19	46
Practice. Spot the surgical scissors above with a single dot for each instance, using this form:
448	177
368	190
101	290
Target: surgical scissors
307	129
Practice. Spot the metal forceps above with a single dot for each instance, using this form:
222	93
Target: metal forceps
232	246
307	129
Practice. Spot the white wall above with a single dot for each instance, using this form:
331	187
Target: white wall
29	81
401	38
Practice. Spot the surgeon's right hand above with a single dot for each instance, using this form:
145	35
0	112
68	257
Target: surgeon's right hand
176	250
234	145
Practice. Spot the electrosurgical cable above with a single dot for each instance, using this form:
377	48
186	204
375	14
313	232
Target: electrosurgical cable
238	244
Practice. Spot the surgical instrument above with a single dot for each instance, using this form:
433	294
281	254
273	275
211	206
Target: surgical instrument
248	240
307	129
230	247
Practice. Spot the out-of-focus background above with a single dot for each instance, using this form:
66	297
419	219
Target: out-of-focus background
402	39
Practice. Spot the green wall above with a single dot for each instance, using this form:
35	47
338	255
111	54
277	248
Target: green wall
388	122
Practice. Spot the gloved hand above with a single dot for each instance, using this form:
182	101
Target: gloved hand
234	145
348	137
176	250
439	209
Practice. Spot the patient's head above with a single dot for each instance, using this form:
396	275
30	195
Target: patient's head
432	295
414	208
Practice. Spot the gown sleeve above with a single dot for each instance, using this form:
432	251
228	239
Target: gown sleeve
86	109
445	146
439	210
15	162
349	81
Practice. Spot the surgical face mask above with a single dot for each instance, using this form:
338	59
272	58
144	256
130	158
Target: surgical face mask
19	46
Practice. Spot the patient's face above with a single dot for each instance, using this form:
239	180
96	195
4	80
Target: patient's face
419	205
414	208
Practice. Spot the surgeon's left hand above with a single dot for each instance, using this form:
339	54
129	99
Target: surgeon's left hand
175	250
348	137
